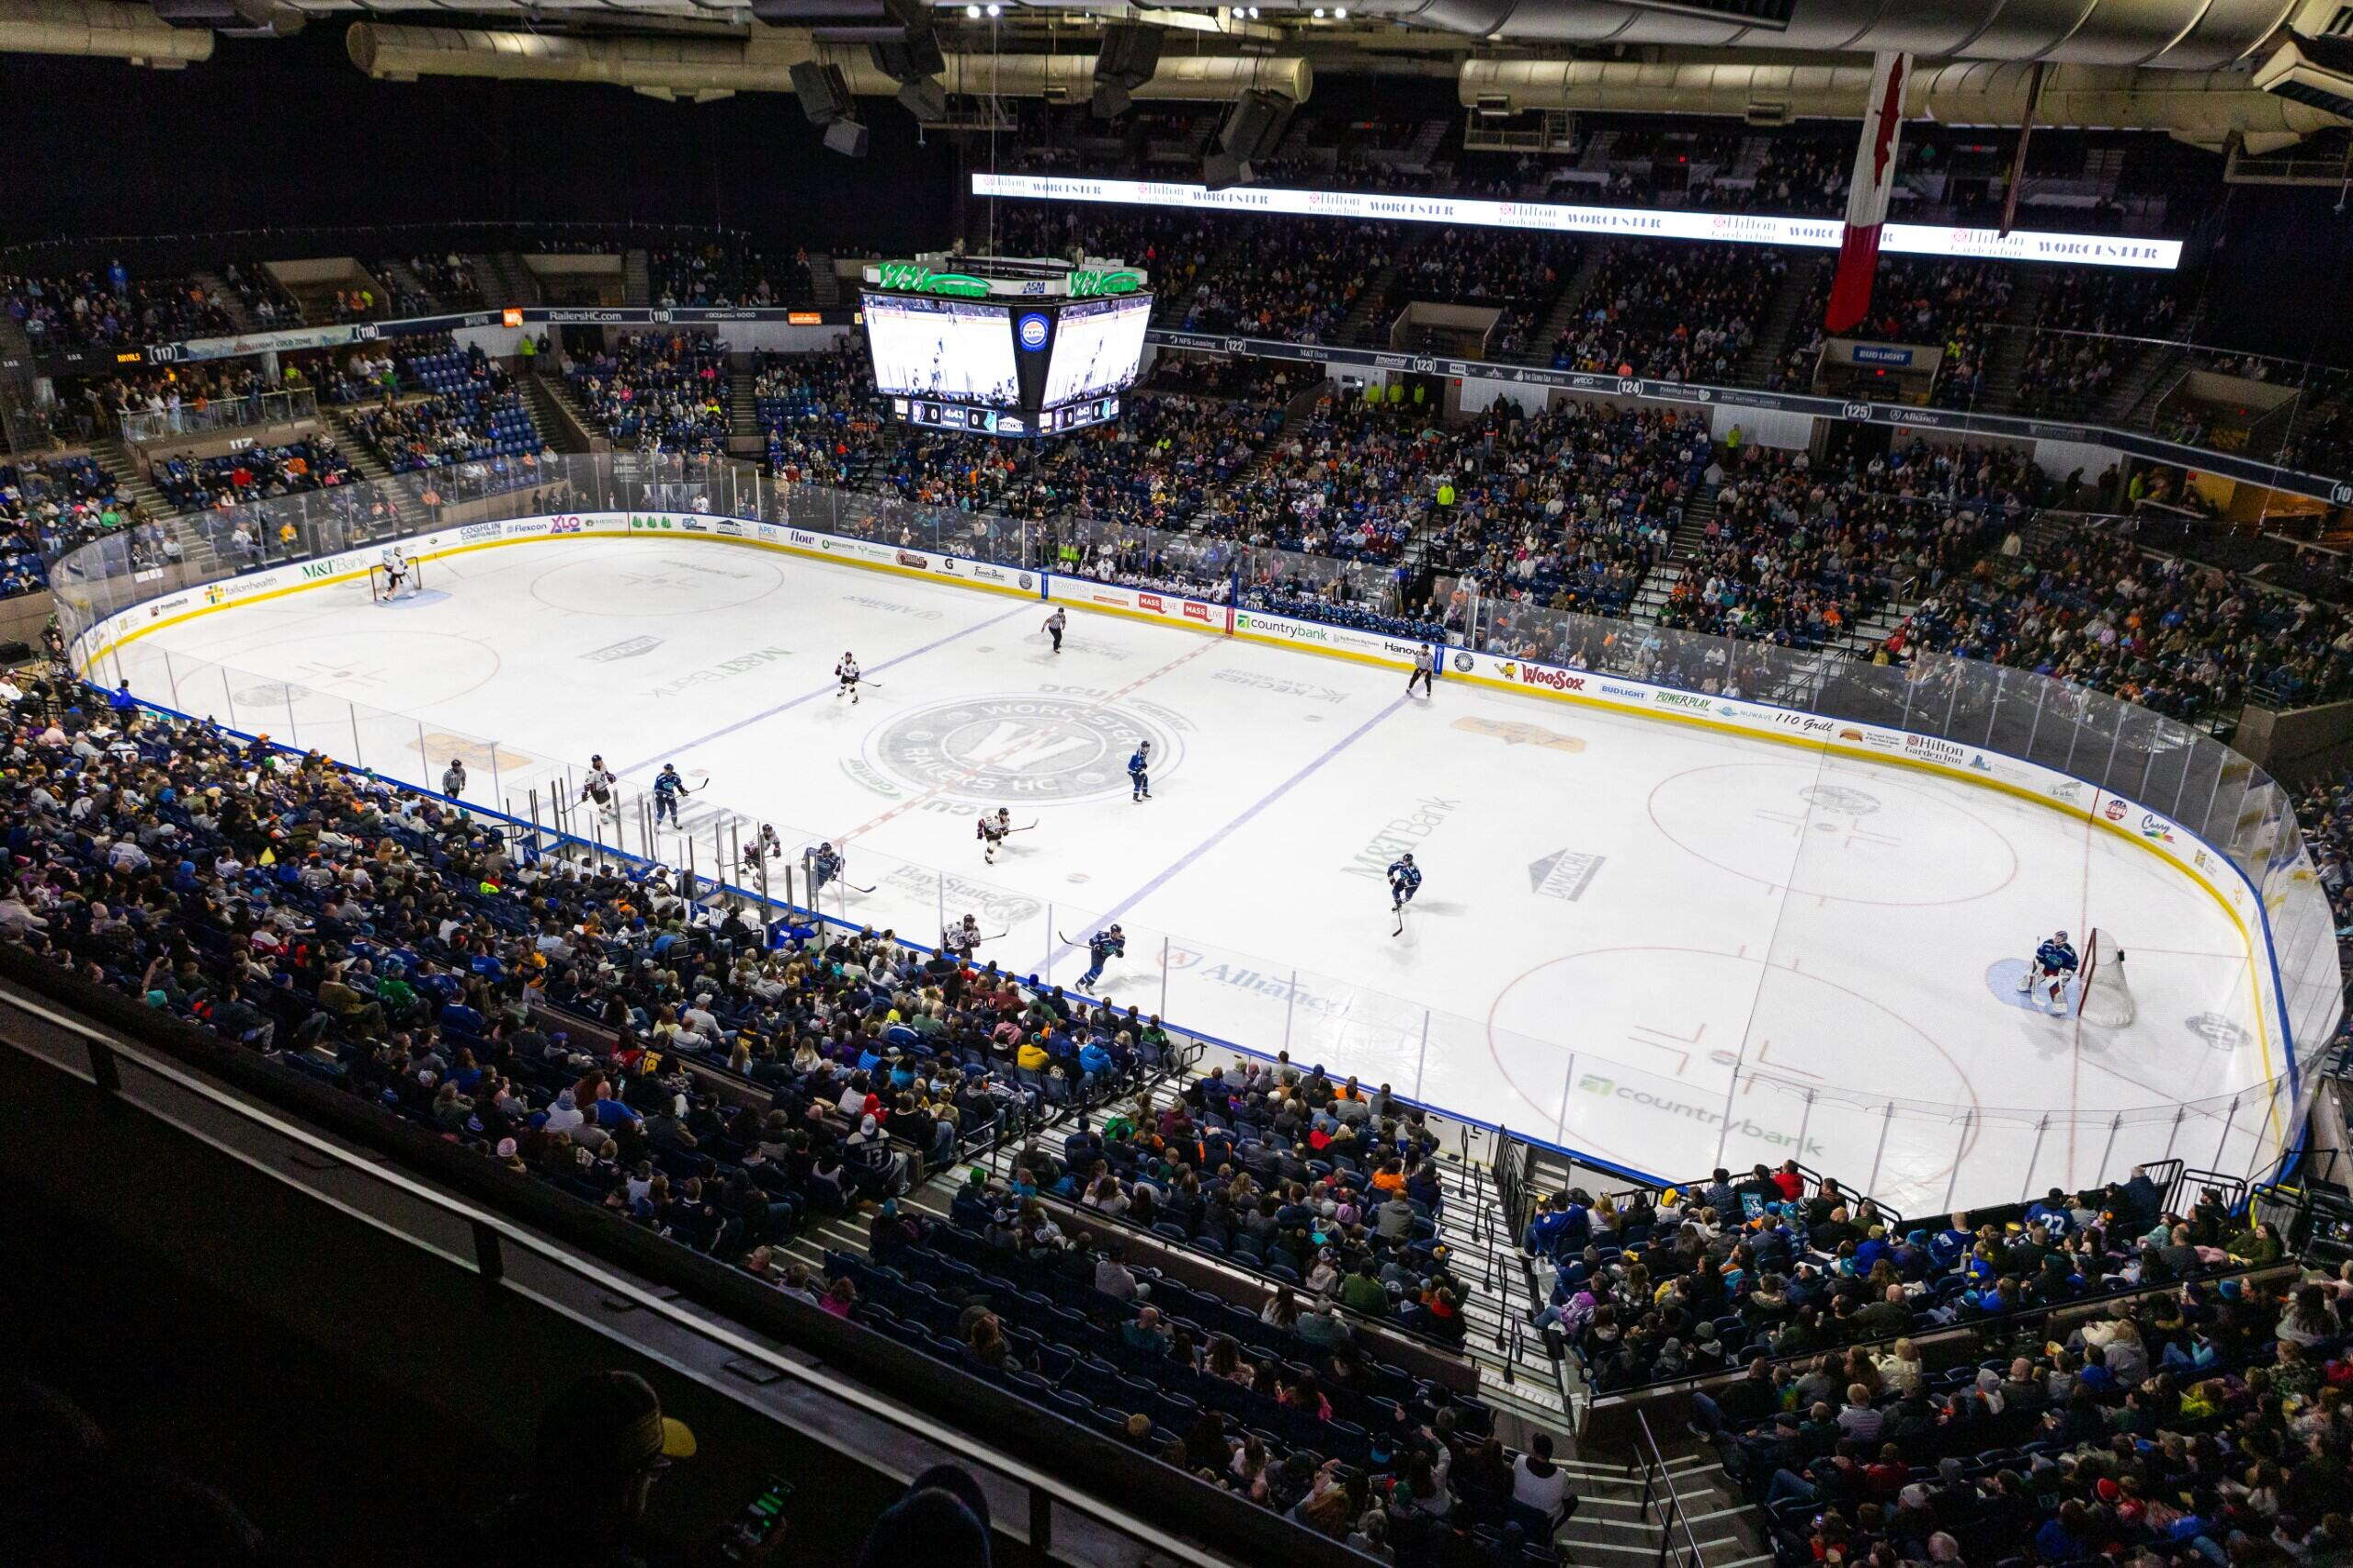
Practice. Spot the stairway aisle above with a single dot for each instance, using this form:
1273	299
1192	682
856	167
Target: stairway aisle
216	288
1567	304
1614	1529
1366	322
1296	412
396	274
1682	549
372	470
554	411
2132	403
745	438
2005	364
130	476
825	284
1780	326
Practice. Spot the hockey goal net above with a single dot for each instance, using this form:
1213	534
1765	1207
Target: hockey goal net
2103	999
380	581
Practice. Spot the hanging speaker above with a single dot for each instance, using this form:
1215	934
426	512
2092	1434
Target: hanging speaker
1126	59
824	92
908	59
1255	126
926	100
847	138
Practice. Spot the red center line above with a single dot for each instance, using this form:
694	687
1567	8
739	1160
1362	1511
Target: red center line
913	801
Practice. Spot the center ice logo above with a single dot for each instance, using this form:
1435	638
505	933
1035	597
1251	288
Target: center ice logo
1018	748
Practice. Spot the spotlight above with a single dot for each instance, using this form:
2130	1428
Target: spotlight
974	12
995	10
1342	13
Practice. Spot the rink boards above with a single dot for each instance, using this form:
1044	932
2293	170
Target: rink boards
2172	845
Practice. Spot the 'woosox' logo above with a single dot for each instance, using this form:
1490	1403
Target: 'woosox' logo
1018	748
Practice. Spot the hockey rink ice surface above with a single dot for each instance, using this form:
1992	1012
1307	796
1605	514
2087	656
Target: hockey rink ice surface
1641	939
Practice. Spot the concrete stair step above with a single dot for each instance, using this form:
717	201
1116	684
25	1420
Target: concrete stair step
218	289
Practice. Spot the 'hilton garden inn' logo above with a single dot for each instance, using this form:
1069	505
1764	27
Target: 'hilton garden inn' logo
1018	748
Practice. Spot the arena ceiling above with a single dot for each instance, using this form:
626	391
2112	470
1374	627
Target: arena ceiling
2198	69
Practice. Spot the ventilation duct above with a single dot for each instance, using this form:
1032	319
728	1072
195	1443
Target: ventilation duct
763	64
2206	108
98	28
2175	35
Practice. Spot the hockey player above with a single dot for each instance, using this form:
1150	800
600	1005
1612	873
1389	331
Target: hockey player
1424	664
991	832
846	674
396	567
667	789
598	787
824	864
765	846
1139	772
1102	947
2048	971
959	940
1054	624
453	779
1405	880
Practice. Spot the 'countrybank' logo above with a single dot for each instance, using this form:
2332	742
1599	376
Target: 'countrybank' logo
1609	1088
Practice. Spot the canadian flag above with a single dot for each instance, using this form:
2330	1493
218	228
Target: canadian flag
1874	182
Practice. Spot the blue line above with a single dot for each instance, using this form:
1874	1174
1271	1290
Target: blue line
683	746
1219	836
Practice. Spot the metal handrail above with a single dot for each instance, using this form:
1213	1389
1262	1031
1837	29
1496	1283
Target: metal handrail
109	1051
1671	1515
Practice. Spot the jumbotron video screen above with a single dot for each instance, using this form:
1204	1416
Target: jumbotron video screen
997	367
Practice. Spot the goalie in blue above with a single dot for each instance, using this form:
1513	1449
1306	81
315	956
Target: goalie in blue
2046	974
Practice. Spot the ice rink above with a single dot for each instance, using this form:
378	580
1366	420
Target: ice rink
1657	944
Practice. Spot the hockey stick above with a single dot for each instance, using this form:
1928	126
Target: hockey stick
1021	829
1401	921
